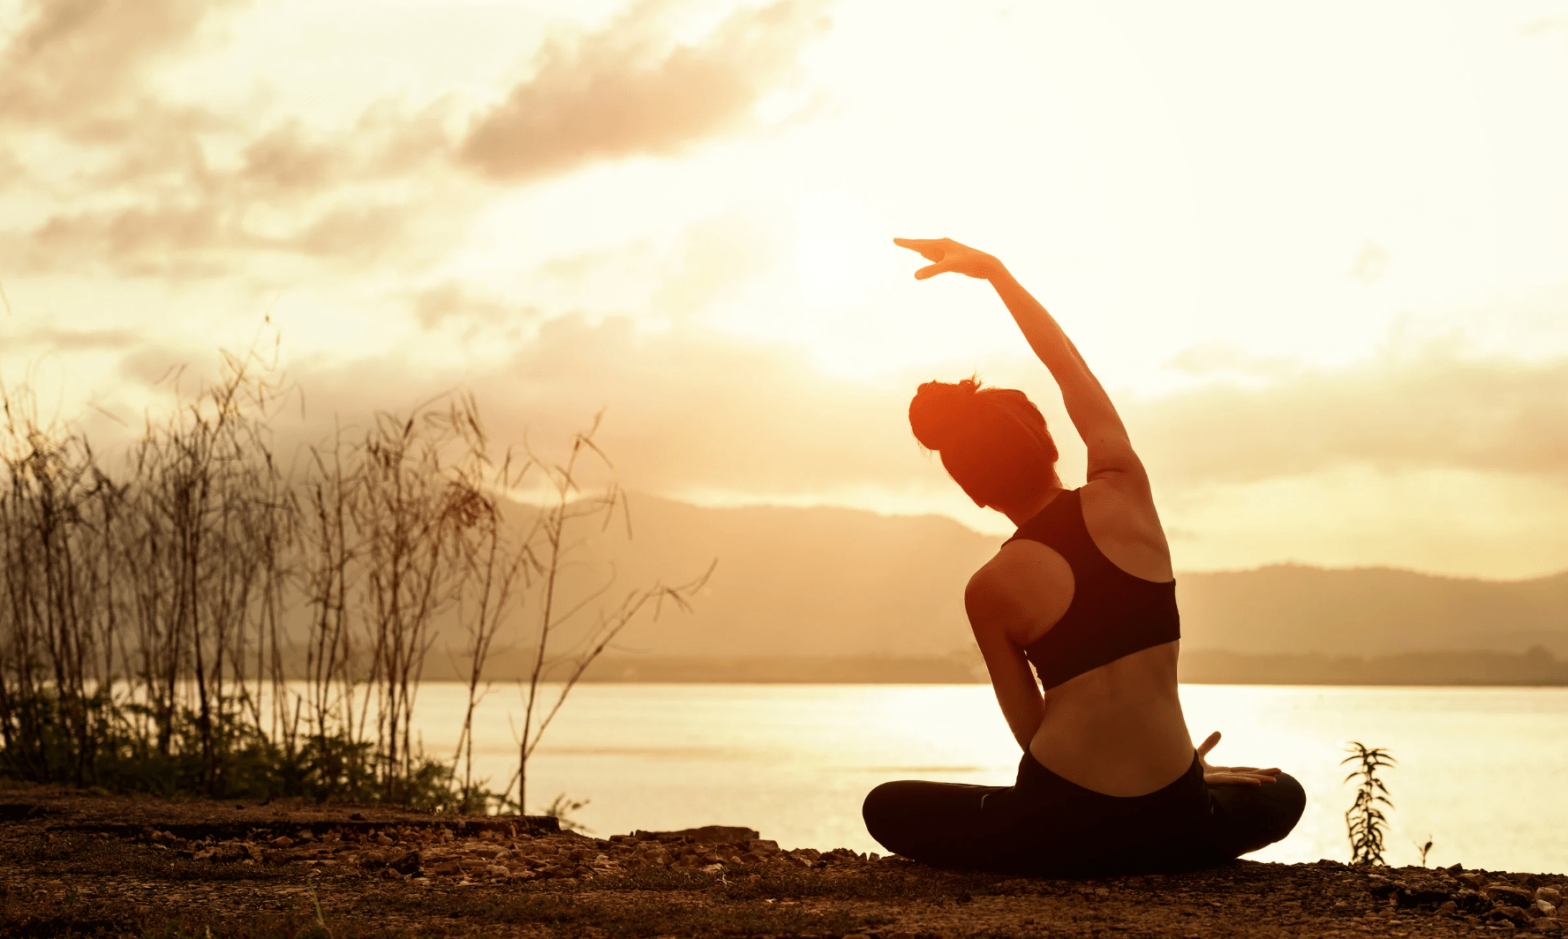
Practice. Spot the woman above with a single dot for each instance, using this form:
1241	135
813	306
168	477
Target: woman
1084	593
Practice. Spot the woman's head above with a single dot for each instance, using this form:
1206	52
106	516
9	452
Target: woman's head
993	441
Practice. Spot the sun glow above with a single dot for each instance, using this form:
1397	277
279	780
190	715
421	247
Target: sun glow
842	255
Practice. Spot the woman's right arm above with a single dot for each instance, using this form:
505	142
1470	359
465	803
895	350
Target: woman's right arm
1089	407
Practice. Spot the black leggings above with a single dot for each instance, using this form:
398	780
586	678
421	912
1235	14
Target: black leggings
1043	824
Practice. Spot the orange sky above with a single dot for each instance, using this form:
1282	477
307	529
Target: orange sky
1319	253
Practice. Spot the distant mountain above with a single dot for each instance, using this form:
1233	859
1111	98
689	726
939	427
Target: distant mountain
841	582
1293	609
802	582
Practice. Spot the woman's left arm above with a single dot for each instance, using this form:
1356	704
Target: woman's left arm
994	612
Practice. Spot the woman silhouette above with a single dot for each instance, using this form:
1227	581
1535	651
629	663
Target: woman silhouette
1084	593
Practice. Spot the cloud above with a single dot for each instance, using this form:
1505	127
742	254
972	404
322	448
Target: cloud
453	302
625	91
77	65
140	186
690	410
77	340
1219	359
164	237
289	161
684	409
1431	408
208	230
1370	265
696	269
132	186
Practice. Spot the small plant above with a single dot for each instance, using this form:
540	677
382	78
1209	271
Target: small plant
1424	849
561	808
1364	820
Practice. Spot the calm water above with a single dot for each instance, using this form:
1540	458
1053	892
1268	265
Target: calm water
1482	771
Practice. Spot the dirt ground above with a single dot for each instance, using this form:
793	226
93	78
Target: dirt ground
75	864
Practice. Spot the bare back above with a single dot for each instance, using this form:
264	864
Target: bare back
1118	728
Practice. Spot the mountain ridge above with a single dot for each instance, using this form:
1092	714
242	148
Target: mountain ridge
835	581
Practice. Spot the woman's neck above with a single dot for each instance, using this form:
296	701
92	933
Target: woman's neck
1027	510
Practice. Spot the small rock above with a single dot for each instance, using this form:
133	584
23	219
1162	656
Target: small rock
1473	880
1102	892
1472	902
707	834
1548	927
406	863
1507	894
1544	908
1449	908
1550	894
1511	913
283	841
384	841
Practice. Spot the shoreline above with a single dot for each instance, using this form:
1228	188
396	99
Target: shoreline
71	860
1535	668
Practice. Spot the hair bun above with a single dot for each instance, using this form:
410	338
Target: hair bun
941	411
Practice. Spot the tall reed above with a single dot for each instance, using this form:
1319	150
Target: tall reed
151	619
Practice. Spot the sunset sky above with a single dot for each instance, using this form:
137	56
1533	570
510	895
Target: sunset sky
1317	252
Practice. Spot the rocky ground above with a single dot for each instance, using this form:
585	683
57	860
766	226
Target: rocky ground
74	864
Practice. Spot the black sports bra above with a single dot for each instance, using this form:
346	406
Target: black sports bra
1112	614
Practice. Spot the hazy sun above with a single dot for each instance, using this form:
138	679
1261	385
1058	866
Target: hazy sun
842	250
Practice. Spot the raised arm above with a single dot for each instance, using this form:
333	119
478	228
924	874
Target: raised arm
1089	407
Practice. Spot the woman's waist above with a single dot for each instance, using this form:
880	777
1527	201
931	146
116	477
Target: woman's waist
1122	747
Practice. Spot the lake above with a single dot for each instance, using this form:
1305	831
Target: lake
1481	771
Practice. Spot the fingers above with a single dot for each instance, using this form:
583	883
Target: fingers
930	248
931	270
1247	770
1247	778
1208	744
1225	779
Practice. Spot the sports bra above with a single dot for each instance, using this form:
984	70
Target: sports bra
1112	614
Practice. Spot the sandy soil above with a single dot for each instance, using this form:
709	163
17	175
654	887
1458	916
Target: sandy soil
80	864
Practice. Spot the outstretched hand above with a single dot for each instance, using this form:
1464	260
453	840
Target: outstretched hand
1231	775
949	255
